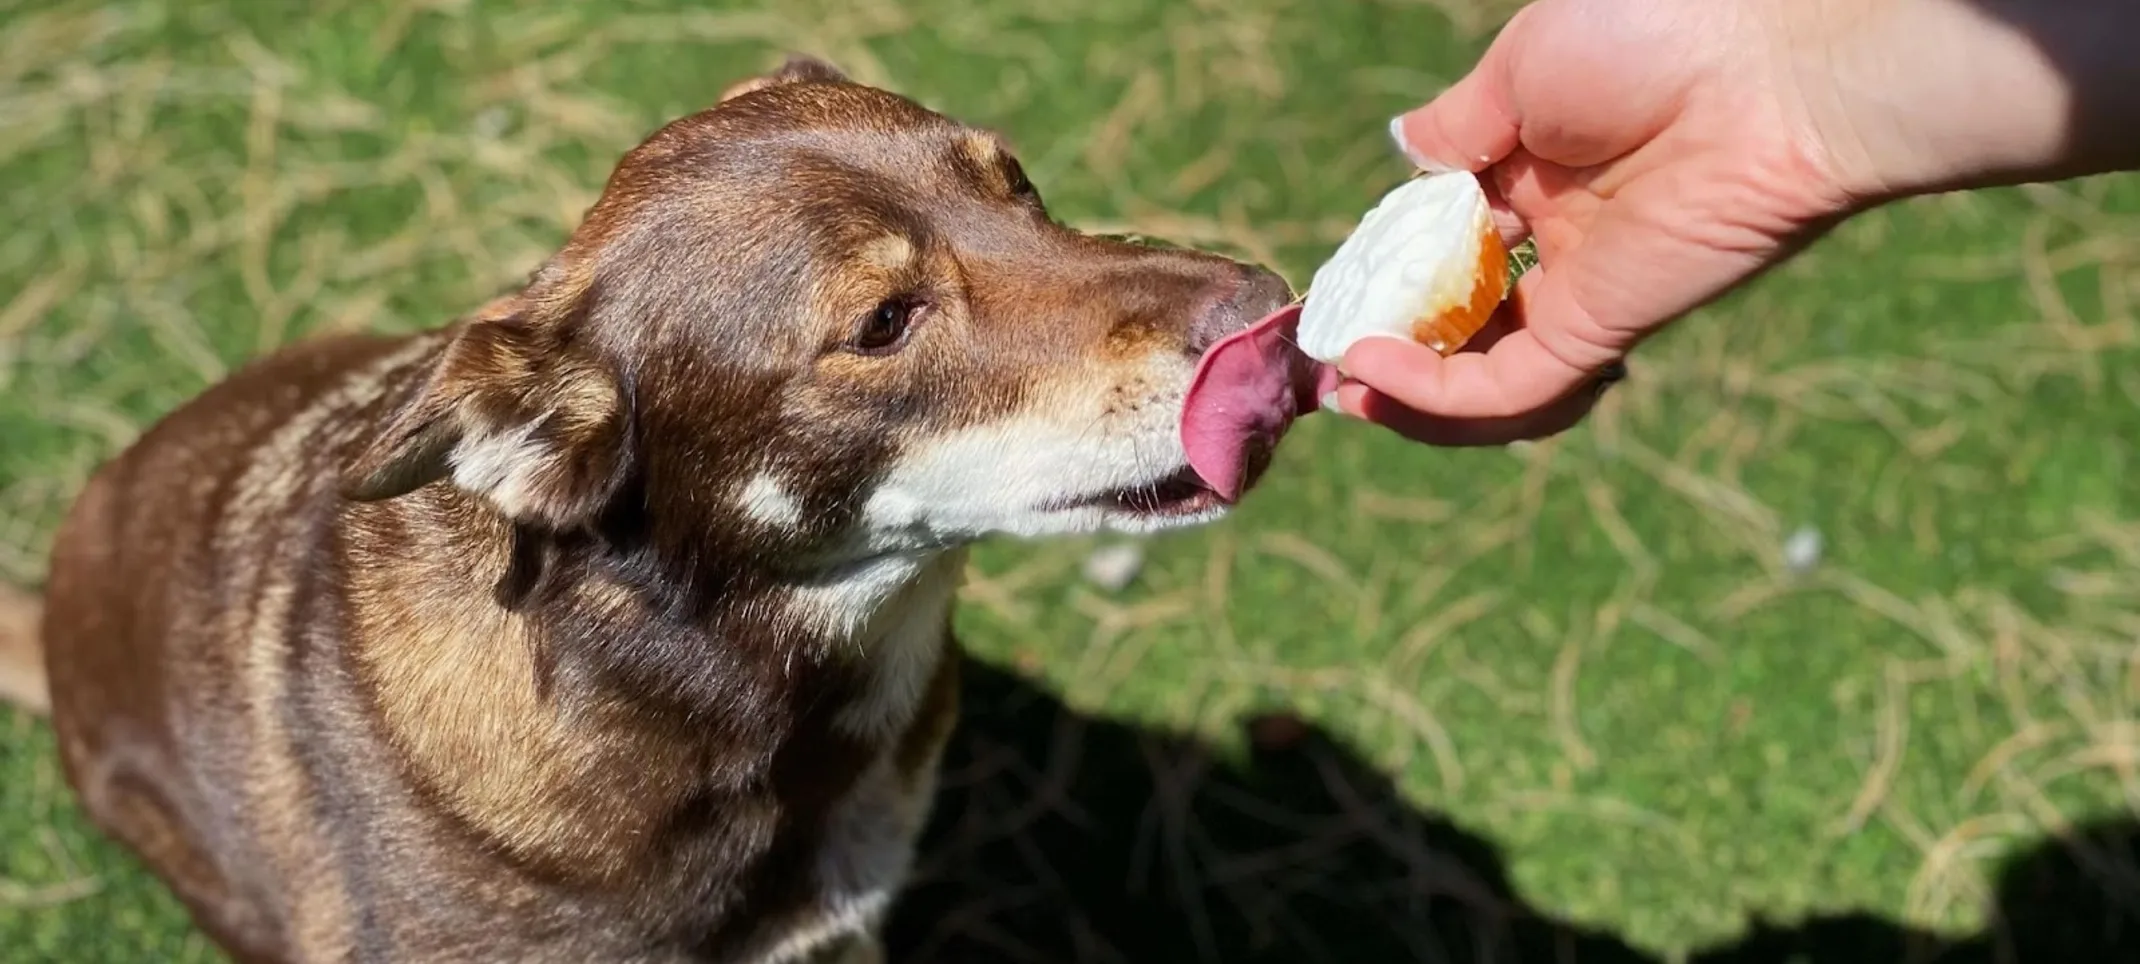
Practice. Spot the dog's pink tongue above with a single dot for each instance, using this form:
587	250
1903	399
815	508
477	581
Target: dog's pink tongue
1247	390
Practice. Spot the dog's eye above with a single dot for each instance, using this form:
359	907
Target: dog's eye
885	329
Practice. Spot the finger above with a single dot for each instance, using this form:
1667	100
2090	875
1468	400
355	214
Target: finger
1507	222
1470	126
1515	377
1563	414
1554	348
1562	206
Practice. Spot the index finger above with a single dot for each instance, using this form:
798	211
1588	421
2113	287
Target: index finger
1470	126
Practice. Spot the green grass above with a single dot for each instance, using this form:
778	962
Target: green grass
1573	697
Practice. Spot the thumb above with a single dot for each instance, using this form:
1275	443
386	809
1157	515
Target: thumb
1556	348
1471	126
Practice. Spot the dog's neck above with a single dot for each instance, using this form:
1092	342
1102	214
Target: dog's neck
595	708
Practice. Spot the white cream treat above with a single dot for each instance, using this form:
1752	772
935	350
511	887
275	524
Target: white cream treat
1425	264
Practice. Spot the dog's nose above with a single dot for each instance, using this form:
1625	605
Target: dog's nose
1256	293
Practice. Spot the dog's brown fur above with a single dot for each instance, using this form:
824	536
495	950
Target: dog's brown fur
582	629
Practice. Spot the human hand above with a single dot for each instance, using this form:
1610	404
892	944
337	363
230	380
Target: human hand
1657	155
1661	153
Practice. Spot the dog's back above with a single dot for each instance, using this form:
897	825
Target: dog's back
212	523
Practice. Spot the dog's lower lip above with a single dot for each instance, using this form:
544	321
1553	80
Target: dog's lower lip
1179	494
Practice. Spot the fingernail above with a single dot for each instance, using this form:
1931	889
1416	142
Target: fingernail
1330	404
1405	147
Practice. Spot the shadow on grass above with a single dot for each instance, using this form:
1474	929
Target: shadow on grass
1060	838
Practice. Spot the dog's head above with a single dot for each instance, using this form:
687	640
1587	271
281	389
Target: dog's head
825	315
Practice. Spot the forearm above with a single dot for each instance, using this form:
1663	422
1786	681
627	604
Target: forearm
1916	96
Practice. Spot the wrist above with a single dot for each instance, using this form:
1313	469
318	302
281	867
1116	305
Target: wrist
1917	96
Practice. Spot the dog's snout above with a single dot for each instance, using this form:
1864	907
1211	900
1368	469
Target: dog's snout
1255	293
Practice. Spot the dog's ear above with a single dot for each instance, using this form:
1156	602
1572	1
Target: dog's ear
799	69
512	414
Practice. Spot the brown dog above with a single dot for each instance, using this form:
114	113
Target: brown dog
611	623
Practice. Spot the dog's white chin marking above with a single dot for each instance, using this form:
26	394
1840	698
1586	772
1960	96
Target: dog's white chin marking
884	596
1025	478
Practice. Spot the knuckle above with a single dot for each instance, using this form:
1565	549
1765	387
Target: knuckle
1581	343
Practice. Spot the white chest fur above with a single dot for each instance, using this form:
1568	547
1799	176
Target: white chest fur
895	614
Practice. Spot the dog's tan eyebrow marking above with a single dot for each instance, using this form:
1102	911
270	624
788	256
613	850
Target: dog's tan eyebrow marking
991	161
982	149
889	252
